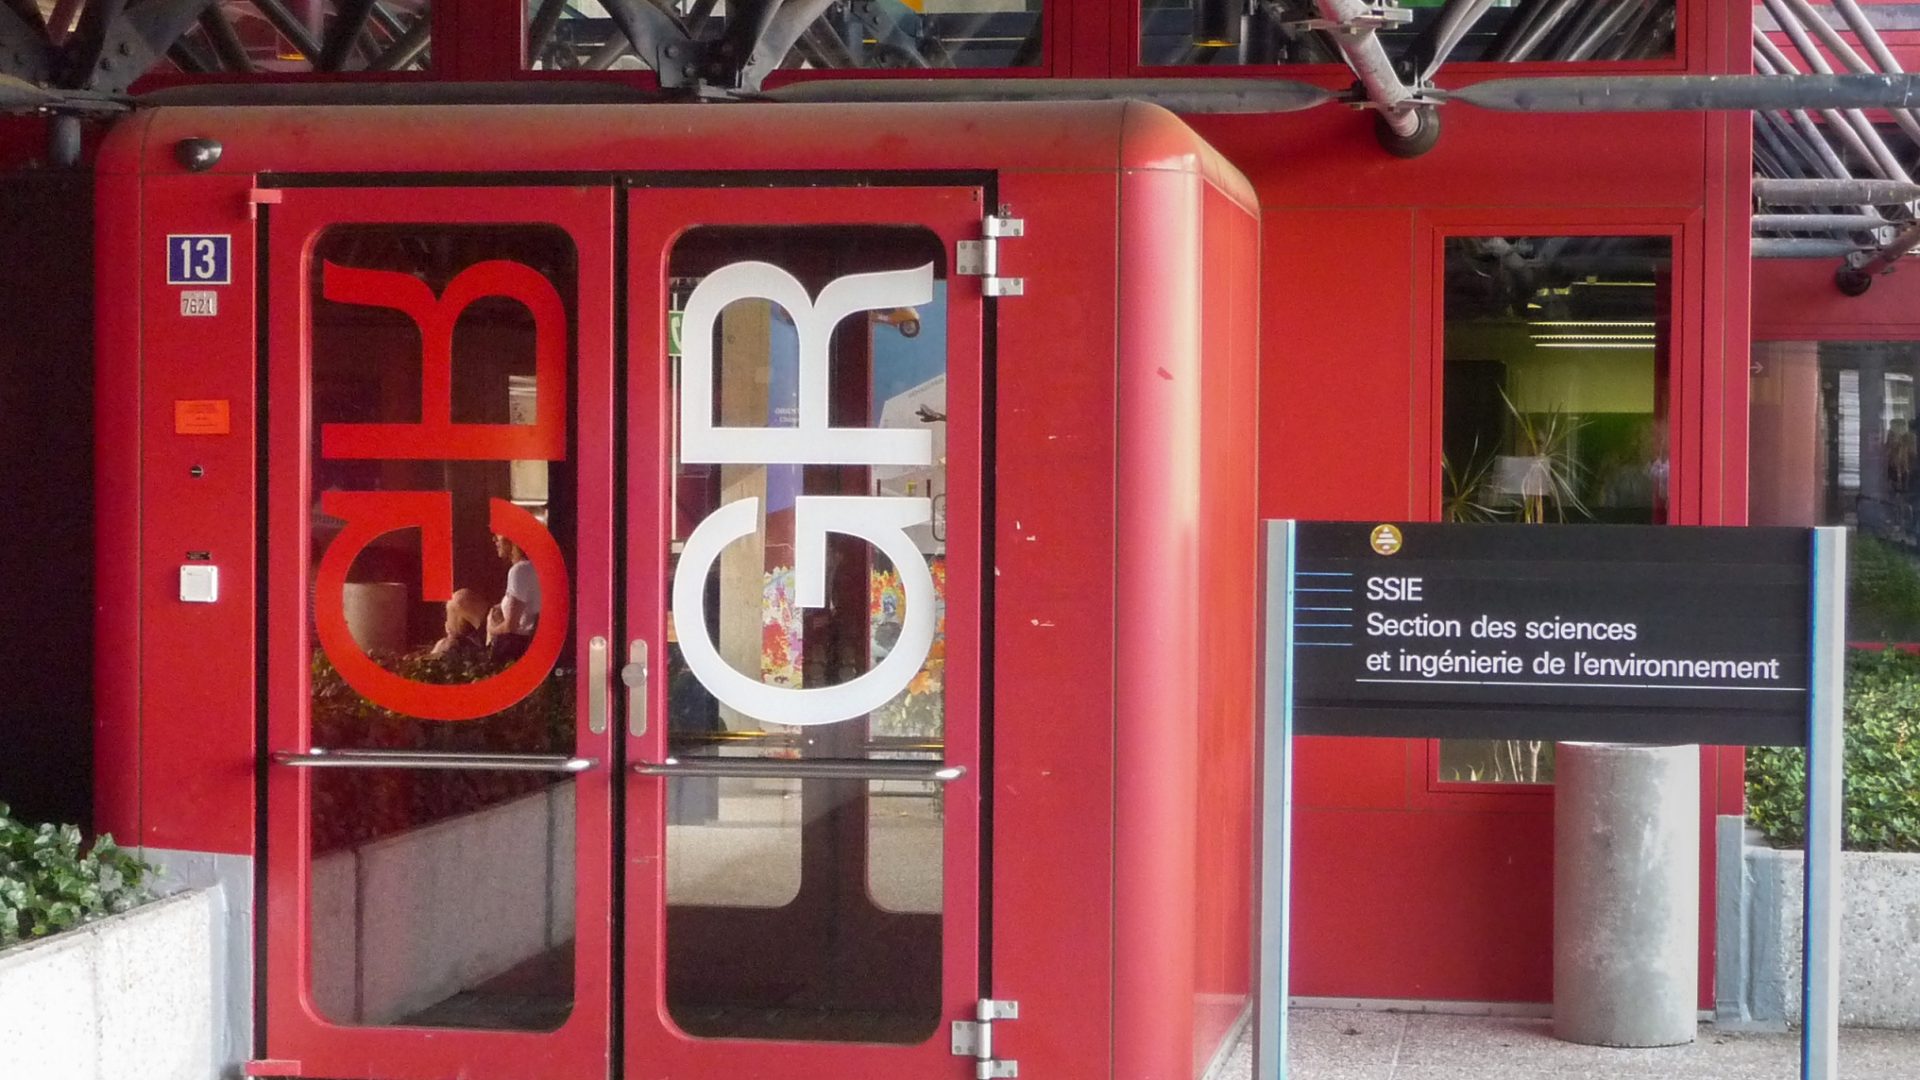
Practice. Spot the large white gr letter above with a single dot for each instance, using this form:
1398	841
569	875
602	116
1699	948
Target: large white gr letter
881	521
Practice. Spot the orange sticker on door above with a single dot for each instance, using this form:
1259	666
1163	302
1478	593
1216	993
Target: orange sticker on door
209	417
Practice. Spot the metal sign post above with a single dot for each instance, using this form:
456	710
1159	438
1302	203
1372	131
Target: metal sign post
1723	636
1276	794
1820	955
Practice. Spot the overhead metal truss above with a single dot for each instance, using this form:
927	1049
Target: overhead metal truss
1810	120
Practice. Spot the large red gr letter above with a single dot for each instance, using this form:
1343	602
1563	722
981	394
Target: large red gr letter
436	436
370	515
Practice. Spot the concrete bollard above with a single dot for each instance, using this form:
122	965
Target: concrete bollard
1626	894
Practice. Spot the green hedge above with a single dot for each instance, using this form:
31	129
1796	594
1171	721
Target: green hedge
1882	767
47	885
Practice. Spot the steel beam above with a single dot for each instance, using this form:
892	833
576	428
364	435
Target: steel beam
349	18
785	28
225	39
658	39
24	52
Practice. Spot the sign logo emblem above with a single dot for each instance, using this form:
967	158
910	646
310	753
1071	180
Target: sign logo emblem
1385	539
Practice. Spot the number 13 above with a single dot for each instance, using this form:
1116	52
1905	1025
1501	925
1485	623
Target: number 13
207	268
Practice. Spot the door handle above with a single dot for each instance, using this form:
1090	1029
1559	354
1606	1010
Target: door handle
804	768
634	674
597	685
322	758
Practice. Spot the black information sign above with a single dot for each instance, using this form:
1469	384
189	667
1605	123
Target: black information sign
1612	633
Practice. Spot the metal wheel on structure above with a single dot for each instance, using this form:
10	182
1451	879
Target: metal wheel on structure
1426	133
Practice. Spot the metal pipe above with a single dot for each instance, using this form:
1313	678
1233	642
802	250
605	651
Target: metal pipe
1524	44
1767	53
350	17
1874	192
1603	29
803	769
1805	132
1652	35
1616	48
602	58
1820	222
226	41
1585	17
1198	95
1830	37
293	29
545	20
188	59
408	47
1788	18
1361	48
1793	146
1687	93
1770	157
1805	139
321	758
1450	30
1776	247
1876	47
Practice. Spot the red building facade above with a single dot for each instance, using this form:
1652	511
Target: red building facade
1378	293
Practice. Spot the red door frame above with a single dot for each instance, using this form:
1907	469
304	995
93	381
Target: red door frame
660	216
295	1032
1692	460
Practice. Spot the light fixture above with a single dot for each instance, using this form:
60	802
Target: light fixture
1593	344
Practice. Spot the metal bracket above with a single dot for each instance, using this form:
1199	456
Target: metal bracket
1377	17
981	258
974	1039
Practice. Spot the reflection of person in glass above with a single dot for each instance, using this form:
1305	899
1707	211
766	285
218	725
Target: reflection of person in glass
510	623
466	628
1900	451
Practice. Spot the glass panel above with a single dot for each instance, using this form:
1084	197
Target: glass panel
240	36
807	909
579	34
442	531
1251	32
1832	442
1555	406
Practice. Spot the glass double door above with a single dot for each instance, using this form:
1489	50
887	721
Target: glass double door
623	554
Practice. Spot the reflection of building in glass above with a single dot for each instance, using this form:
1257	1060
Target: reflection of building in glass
1833	443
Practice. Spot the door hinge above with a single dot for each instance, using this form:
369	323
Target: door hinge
974	1039
981	258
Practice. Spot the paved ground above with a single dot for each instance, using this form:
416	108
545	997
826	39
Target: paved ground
1338	1045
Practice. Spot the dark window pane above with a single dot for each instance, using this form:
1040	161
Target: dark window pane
1554	406
1832	442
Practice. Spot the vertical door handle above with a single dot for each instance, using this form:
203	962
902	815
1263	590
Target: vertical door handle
634	674
597	686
